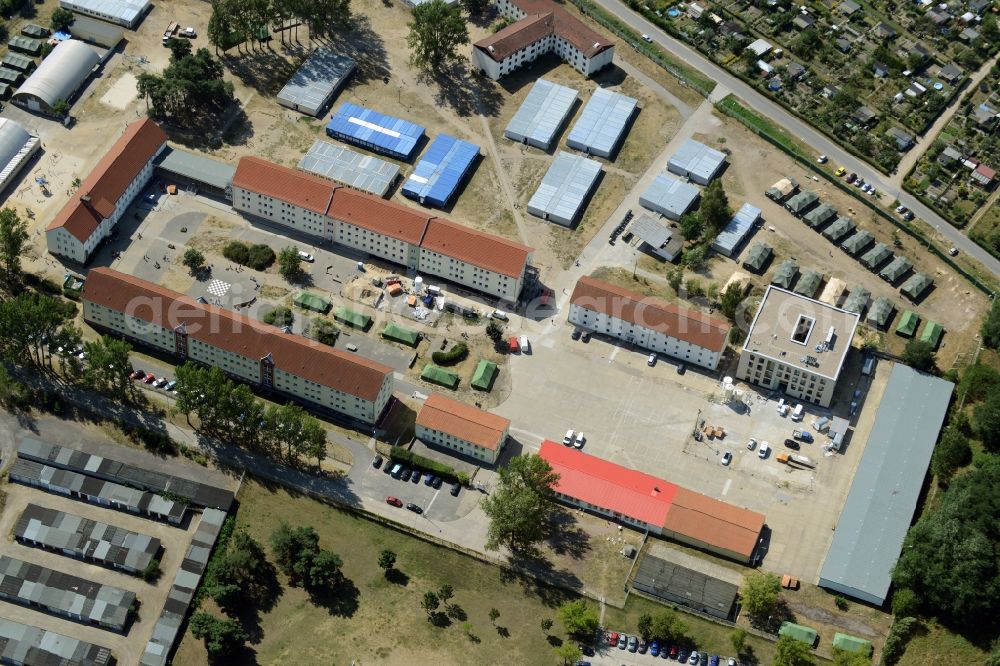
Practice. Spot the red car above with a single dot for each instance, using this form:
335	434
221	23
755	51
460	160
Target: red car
137	374
394	501
150	378
613	638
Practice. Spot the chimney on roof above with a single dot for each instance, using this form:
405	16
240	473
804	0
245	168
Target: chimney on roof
85	197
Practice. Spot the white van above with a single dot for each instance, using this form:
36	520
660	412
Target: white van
525	345
869	366
569	437
798	413
433	291
499	314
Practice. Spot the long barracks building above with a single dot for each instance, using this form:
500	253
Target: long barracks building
406	236
243	348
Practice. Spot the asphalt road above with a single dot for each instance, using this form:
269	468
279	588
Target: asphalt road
799	129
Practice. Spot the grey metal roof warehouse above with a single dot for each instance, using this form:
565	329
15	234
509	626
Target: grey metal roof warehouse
181	593
200	494
602	123
23	644
733	234
216	175
669	197
85	539
883	496
696	161
17	146
65	595
660	240
686	587
564	189
858	242
343	165
314	83
97	491
97	31
541	114
123	12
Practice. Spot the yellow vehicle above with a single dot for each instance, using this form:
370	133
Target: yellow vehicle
841	171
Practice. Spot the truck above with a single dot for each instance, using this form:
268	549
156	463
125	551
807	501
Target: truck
795	460
803	436
171	30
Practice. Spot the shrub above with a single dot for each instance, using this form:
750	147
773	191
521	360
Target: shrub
325	332
237	252
452	356
261	257
152	571
279	316
412	459
904	602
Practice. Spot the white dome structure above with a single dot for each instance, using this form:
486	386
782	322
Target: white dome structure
16	149
59	76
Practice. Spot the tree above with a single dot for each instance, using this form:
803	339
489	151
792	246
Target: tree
675	278
739	641
645	626
579	618
691	226
730	300
179	48
436	32
792	652
991	326
977	380
667	626
193	259
760	594
191	88
13	238
494	615
223	638
299	556
11	390
920	355
324	570
518	509
430	603
290	264
60	108
569	653
986	420
62	19
714	210
241	574
845	658
108	364
952	451
387	561
694	258
546	624
446	593
494	330
475	7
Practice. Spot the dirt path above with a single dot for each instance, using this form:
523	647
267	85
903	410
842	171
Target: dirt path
508	191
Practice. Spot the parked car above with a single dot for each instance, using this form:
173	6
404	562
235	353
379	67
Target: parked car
586	650
150	378
580	440
900	209
613	638
407	473
161	382
693	658
397	470
714	661
429	480
841	171
394	501
703	659
171	385
682	656
643	647
388	467
751	444
633	644
416	476
137	374
410	506
792	444
651	360
821	159
377	462
455	488
953	251
731	662
305	256
576	334
647	38
586	336
727	458
851	177
622	641
437	482
674	652
764	449
190	33
569	437
654	649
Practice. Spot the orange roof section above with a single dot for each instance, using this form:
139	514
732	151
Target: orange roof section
516	36
682	323
294	187
236	333
475	247
378	215
713	522
573	30
463	421
98	195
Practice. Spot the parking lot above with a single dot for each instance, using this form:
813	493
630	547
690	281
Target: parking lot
643	417
437	503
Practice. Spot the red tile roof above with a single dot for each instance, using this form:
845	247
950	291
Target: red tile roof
235	333
565	25
469	423
107	182
984	170
378	215
294	187
517	36
689	515
475	247
682	323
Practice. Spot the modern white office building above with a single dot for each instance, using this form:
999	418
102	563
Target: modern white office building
797	345
99	203
244	348
681	333
462	428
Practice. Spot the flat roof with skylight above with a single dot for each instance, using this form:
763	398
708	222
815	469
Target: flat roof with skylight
801	332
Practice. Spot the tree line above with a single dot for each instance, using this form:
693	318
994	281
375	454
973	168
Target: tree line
234	21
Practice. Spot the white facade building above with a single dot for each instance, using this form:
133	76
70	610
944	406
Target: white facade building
96	207
686	335
462	428
540	27
243	348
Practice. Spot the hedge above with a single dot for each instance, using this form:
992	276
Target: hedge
257	257
452	356
412	459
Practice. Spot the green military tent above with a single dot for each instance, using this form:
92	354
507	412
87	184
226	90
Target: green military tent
820	215
785	274
857	242
304	299
874	257
836	231
808	284
11	76
352	318
807	635
4	90
849	643
482	378
932	334
802	202
908	323
397	333
36	31
896	269
858	300
880	313
916	286
757	257
439	376
19	62
25	45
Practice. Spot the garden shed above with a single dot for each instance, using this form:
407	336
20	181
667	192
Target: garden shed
932	334
880	313
799	632
808	284
839	229
820	215
757	257
908	323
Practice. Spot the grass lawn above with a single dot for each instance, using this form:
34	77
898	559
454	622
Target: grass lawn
732	107
939	647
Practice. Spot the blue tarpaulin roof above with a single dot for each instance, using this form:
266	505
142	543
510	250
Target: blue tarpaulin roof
375	131
441	169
